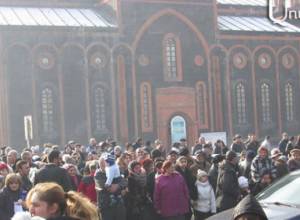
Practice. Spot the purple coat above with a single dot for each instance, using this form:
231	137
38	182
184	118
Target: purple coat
171	195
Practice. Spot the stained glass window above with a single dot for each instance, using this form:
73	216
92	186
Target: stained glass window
47	111
171	58
241	103
100	108
289	101
265	103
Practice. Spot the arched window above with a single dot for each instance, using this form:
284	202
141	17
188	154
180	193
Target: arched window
202	104
178	128
100	108
241	104
265	103
47	111
172	60
146	107
289	101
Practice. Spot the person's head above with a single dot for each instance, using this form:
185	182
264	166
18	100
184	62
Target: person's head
262	152
295	154
231	157
129	147
71	169
13	182
252	137
55	157
275	154
139	141
183	142
12	157
173	155
158	166
93	142
208	149
48	200
202	176
148	166
158	144
168	167
117	151
266	178
3	169
250	154
139	153
134	167
237	138
200	156
243	182
285	136
23	167
27	156
202	140
182	162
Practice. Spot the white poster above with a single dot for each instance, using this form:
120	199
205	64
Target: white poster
214	136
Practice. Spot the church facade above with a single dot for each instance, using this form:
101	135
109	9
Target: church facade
162	69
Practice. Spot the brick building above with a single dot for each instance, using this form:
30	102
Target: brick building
150	68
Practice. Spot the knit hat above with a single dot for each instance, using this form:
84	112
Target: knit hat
201	173
3	166
243	182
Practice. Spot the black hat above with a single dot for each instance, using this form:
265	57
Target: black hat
230	155
184	151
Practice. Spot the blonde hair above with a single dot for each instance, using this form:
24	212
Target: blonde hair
13	178
72	204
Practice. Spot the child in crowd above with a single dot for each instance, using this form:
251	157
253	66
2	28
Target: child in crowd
10	197
113	176
244	186
205	205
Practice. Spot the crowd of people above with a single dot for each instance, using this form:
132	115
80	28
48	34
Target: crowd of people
140	181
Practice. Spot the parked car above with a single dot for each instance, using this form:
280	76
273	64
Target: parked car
280	201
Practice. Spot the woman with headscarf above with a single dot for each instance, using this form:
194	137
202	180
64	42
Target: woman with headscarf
137	200
171	195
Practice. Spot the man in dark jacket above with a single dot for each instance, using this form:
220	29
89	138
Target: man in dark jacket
227	184
53	173
23	169
253	144
283	142
237	145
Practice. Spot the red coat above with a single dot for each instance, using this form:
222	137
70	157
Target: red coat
171	195
87	187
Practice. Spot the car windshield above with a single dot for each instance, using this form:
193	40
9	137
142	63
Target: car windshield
284	191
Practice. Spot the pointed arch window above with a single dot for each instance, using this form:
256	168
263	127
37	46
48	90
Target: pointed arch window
241	103
265	103
172	58
289	101
47	110
146	107
202	104
100	108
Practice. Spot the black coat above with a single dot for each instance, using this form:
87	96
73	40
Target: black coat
213	176
190	182
7	199
53	173
227	187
